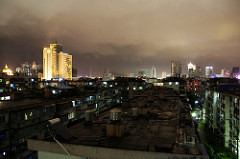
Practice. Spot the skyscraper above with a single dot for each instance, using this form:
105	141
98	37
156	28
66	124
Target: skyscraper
164	74
208	71
191	70
198	72
176	69
56	64
153	73
191	66
26	69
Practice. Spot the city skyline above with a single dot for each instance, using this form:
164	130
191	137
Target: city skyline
123	36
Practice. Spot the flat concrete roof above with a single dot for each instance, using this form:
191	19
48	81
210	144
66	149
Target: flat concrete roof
155	131
7	106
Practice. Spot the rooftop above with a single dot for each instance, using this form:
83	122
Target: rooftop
6	106
150	122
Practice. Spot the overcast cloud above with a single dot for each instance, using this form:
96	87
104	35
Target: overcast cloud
123	36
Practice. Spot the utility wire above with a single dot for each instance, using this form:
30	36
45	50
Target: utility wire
60	144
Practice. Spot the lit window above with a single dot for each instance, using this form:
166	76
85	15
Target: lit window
74	103
71	115
26	116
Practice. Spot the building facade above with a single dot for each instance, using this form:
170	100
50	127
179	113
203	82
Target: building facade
56	64
208	71
191	70
176	69
221	112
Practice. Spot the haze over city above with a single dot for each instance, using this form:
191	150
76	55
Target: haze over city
123	36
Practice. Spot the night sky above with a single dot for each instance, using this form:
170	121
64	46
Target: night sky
122	35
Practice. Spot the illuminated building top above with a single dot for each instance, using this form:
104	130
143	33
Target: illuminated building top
191	66
7	70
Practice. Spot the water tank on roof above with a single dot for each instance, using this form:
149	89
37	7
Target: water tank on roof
115	114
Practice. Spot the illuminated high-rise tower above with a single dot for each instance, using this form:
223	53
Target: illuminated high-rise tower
208	71
65	65
56	64
191	66
191	70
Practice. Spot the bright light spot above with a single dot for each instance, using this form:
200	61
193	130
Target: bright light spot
177	83
74	103
194	114
238	77
54	91
196	102
5	98
170	83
